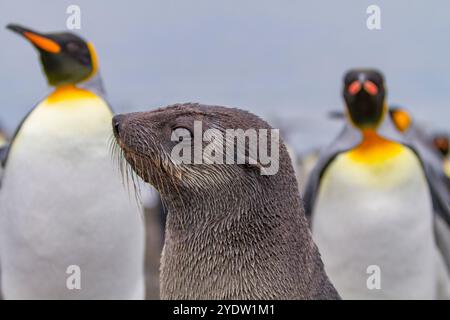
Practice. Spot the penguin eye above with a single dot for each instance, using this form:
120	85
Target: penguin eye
371	87
181	133
354	87
78	52
73	47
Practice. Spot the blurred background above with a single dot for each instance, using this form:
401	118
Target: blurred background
283	60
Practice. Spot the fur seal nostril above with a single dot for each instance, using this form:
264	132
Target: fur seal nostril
231	232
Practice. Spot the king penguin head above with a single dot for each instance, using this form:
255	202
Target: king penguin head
442	143
66	58
364	96
401	118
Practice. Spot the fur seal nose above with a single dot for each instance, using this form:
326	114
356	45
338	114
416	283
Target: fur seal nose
116	124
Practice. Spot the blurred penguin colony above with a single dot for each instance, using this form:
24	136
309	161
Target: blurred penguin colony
376	199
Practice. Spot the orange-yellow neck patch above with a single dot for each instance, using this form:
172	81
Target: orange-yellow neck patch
374	148
69	92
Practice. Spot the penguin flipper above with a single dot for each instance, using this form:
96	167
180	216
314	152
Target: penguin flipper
438	184
3	153
347	139
440	194
441	204
4	157
442	236
432	164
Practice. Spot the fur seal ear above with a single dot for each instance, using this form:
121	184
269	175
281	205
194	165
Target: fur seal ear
248	158
252	162
256	149
254	165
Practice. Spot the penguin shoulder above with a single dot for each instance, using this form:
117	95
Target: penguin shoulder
375	150
72	96
72	106
387	164
67	113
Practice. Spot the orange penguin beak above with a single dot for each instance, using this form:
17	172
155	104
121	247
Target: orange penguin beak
40	41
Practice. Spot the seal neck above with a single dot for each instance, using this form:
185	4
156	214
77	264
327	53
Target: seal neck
189	211
239	232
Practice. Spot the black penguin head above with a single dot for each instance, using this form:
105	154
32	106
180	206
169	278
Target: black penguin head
442	144
66	58
364	96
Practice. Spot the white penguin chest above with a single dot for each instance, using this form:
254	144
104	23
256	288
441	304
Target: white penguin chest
376	214
59	164
60	144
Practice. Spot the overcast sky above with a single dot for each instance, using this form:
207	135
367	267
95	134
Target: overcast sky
282	59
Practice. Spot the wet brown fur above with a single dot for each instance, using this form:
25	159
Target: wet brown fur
231	232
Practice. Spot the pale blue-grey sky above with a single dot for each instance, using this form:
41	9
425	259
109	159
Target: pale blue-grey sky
280	59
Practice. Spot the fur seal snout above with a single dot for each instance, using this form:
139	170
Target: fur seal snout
231	232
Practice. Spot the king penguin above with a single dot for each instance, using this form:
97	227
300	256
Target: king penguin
69	229
371	206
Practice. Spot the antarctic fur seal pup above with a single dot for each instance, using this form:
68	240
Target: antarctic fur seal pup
231	232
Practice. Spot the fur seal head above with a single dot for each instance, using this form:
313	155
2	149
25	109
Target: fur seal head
231	232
